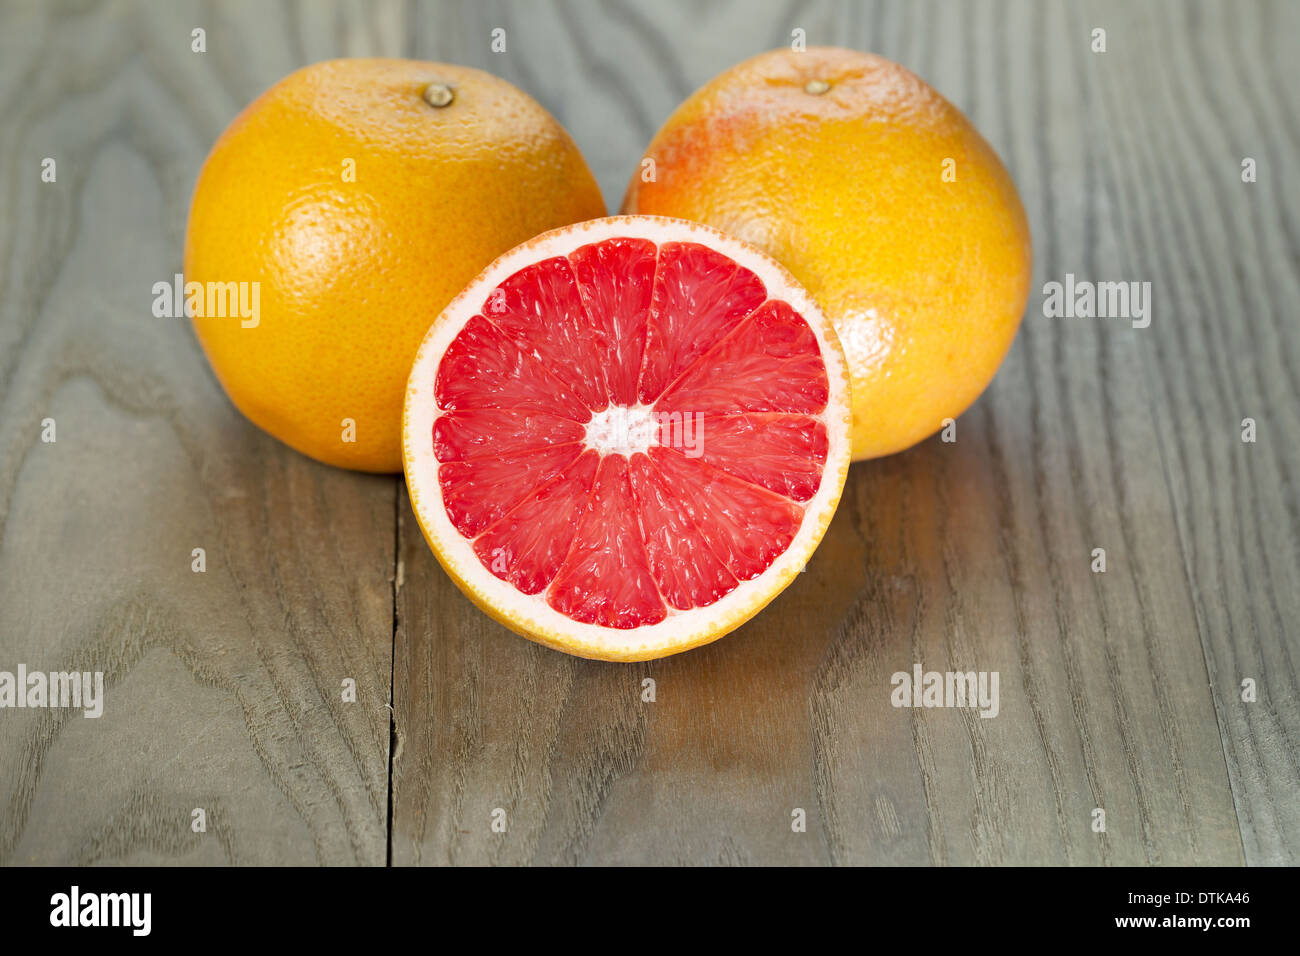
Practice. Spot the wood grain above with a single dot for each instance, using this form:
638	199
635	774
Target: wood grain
1119	691
974	555
1222	256
224	688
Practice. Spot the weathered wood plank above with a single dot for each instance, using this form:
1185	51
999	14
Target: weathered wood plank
1224	346
967	556
223	687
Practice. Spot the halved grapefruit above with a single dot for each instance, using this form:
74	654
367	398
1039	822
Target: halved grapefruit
627	436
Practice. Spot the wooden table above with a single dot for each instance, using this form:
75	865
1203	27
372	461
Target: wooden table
1121	691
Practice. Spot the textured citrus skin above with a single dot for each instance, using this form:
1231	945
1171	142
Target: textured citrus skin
925	280
352	273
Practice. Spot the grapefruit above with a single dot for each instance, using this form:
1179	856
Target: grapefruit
360	196
882	199
626	436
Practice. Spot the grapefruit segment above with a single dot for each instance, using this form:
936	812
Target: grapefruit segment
699	296
745	525
770	363
627	436
684	567
616	279
539	309
606	578
480	490
526	546
478	432
782	453
484	369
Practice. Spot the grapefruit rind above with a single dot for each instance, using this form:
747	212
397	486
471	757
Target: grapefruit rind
529	615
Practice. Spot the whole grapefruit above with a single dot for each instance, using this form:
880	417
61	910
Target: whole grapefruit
884	202
360	196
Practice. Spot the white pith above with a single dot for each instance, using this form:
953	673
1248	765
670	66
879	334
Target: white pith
624	429
530	614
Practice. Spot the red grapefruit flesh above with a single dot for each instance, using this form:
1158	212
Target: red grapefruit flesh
627	436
